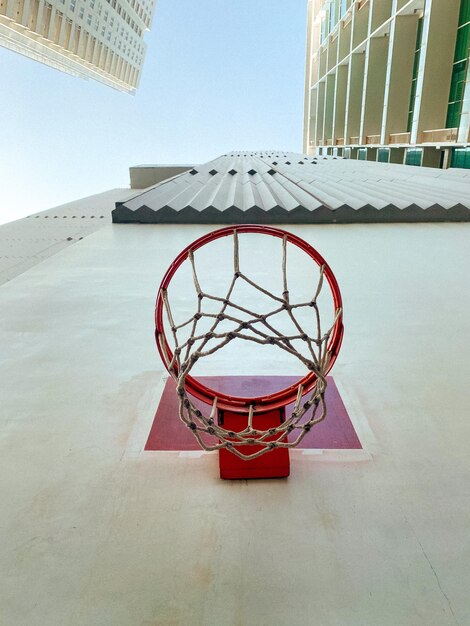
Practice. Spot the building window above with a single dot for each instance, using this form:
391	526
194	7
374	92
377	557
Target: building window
414	156
460	158
362	154
88	19
459	70
81	12
411	108
383	155
72	5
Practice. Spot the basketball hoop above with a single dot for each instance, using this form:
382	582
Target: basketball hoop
321	349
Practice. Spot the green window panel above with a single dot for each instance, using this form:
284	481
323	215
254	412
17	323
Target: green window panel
453	115
464	16
462	44
419	37
414	156
383	155
459	71
460	158
457	85
362	154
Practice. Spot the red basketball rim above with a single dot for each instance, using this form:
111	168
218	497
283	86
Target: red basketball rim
236	403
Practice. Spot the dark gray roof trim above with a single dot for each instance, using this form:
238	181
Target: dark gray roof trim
286	188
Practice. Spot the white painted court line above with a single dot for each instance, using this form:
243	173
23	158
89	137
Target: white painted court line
337	456
358	419
145	415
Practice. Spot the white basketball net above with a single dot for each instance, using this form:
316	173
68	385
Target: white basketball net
258	328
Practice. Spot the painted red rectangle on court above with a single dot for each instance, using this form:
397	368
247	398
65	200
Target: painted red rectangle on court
169	433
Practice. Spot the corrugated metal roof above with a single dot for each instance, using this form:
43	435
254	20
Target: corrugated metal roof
284	187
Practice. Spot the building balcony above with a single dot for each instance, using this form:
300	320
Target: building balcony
328	142
399	138
339	141
373	139
354	141
441	135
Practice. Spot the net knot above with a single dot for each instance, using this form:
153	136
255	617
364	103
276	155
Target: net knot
192	426
197	413
220	317
187	404
197	316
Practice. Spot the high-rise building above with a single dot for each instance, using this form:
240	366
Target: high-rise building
389	81
99	39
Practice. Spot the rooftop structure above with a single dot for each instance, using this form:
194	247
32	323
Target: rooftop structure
389	81
274	187
98	39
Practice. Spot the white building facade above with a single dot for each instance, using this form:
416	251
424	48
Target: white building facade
98	39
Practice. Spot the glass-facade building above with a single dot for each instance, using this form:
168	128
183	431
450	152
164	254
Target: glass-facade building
389	81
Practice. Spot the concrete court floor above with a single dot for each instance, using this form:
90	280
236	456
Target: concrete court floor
96	532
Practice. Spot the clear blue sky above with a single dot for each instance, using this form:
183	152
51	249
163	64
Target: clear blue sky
218	75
